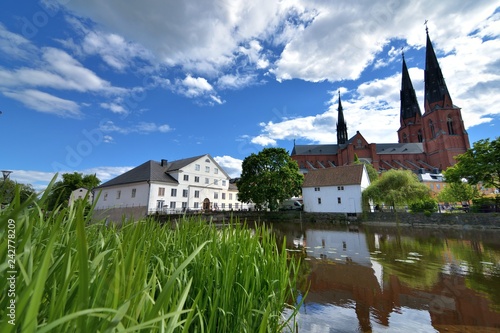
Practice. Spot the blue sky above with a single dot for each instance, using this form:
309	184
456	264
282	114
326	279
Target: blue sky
102	86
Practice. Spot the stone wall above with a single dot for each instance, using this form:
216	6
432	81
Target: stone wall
118	215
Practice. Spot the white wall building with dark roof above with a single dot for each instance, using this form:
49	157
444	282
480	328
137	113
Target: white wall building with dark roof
335	190
191	184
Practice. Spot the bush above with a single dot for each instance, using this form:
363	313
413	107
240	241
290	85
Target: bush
424	206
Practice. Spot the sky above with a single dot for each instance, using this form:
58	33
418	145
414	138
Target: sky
103	86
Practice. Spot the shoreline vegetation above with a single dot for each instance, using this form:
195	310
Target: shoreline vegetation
72	275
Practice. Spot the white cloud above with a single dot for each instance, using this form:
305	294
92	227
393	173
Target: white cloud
230	164
44	102
114	107
14	45
141	127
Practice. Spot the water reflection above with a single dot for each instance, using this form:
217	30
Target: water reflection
397	280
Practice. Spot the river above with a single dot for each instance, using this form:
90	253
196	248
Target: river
388	279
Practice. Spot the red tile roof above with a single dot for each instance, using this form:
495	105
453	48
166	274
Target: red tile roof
342	175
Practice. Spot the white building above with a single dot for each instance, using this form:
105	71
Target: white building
335	190
195	183
80	193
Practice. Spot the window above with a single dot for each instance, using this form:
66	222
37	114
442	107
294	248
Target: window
236	206
316	189
319	201
118	194
223	196
196	179
216	182
207	180
196	194
451	131
186	177
405	138
133	192
223	183
161	191
230	206
159	204
419	135
223	206
184	205
437	186
340	188
105	196
431	126
184	193
196	205
207	169
230	196
339	200
216	195
197	167
216	170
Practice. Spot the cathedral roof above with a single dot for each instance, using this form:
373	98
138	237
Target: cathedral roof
400	148
435	87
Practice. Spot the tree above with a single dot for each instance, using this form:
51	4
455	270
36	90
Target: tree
62	189
396	188
480	164
269	177
458	192
8	189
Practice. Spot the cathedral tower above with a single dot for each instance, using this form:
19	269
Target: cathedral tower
410	115
341	126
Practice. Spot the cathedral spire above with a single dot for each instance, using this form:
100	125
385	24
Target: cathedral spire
409	103
436	92
341	125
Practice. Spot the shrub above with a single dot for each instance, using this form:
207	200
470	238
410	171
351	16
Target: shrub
427	205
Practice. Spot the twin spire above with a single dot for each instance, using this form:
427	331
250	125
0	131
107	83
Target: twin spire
341	125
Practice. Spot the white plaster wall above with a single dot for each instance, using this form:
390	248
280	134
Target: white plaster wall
350	199
108	196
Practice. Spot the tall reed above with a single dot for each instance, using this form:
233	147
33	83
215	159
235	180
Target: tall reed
75	276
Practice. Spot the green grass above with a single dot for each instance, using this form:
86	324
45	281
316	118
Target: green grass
74	276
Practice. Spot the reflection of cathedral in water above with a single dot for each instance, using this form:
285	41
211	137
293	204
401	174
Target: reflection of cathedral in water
347	281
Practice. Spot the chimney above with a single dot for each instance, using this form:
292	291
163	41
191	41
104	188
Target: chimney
163	162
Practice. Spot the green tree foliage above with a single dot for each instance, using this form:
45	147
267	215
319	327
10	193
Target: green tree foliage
269	177
480	164
429	205
62	189
372	172
8	189
396	188
458	192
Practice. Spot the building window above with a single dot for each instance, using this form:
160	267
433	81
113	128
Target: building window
186	177
223	205
161	191
405	138
173	192
133	192
230	206
236	206
437	186
207	180
431	126
216	195
184	205
159	204
216	182
420	137
223	196
184	193
172	204
196	205
359	143
230	196
339	200
118	194
197	167
207	169
196	194
451	131
223	183
196	179
319	201
340	188
316	189
216	170
105	196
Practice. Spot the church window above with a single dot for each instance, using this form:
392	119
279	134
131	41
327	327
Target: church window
405	138
449	121
431	126
419	135
359	143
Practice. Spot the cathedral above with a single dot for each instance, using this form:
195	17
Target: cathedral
427	142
